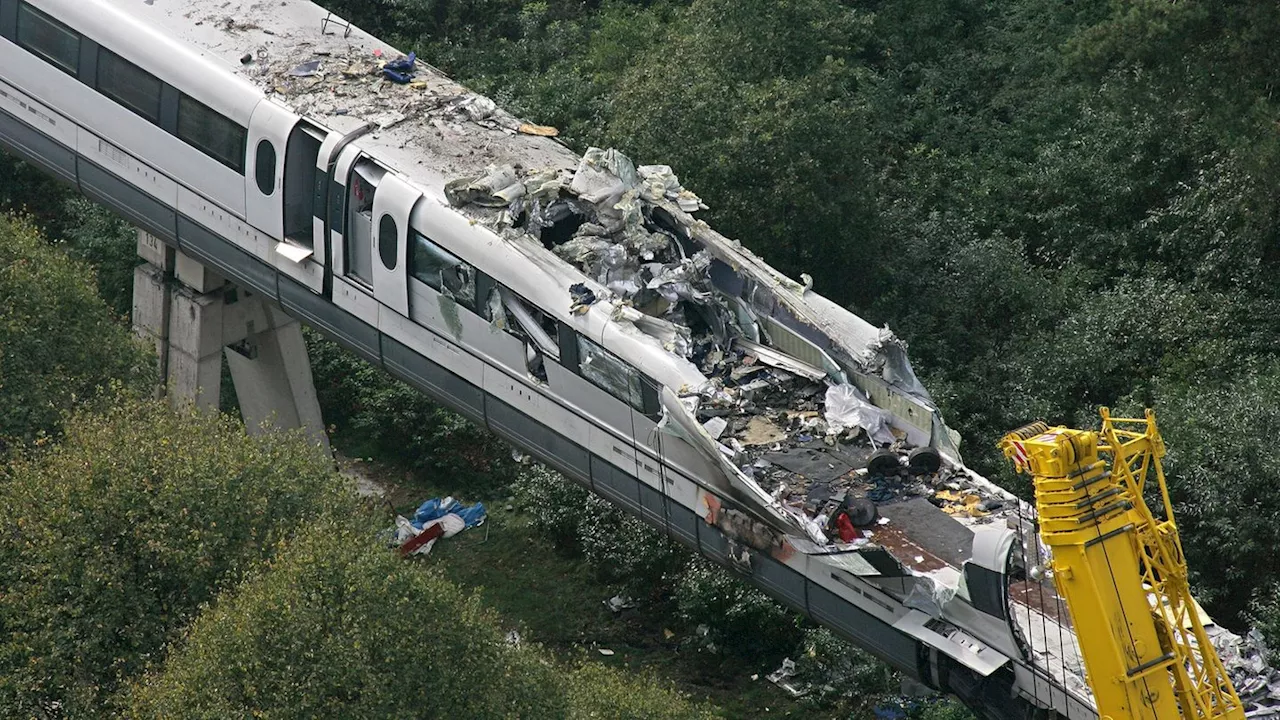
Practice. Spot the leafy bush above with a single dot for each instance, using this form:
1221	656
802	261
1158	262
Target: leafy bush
1222	471
91	233
837	672
113	538
617	545
376	414
742	620
625	550
59	344
1264	616
340	627
554	504
942	709
595	691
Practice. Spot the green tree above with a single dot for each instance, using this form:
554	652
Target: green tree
59	343
758	106
338	626
1222	470
113	538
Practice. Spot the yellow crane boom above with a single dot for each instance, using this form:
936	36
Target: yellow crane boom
1121	570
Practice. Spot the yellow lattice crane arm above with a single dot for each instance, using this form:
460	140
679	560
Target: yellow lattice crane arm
1121	570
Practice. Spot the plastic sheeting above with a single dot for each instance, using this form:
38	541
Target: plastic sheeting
436	508
847	407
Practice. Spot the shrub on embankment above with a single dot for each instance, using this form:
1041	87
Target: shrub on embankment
59	342
338	626
112	539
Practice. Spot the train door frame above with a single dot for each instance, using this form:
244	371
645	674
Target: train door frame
393	204
269	126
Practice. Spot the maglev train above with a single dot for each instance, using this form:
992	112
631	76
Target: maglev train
426	229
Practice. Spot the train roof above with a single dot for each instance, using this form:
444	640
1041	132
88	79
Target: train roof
431	129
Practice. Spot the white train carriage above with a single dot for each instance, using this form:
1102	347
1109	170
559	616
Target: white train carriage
170	113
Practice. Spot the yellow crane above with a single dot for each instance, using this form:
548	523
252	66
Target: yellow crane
1121	570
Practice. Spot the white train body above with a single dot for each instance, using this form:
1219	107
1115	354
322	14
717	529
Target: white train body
149	109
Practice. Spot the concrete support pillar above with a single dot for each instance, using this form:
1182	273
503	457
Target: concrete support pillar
193	316
272	376
195	347
151	300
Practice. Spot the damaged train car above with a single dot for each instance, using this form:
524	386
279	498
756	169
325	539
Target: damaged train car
573	305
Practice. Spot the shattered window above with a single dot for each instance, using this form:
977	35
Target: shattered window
531	324
441	269
609	372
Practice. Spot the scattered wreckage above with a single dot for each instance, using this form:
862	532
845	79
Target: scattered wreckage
833	473
434	519
793	431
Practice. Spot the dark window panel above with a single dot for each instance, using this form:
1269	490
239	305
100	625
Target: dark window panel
48	38
129	85
212	133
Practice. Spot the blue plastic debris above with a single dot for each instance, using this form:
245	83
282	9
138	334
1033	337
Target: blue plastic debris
436	508
400	70
889	712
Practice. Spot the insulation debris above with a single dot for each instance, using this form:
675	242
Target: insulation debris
1245	658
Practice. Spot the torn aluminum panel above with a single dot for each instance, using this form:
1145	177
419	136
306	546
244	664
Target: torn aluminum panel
675	413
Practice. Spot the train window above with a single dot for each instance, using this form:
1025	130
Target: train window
129	85
214	134
530	323
388	241
441	270
264	167
48	38
610	373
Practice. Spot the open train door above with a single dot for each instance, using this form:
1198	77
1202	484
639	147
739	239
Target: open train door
393	203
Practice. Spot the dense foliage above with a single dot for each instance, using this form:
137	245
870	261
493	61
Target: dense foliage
1058	206
59	343
112	539
338	626
85	230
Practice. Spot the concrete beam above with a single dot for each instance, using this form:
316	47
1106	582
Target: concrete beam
272	377
194	318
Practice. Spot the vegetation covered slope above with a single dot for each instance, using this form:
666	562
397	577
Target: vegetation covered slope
59	342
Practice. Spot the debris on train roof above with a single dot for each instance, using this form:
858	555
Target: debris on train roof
542	130
1245	659
386	93
400	70
306	69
